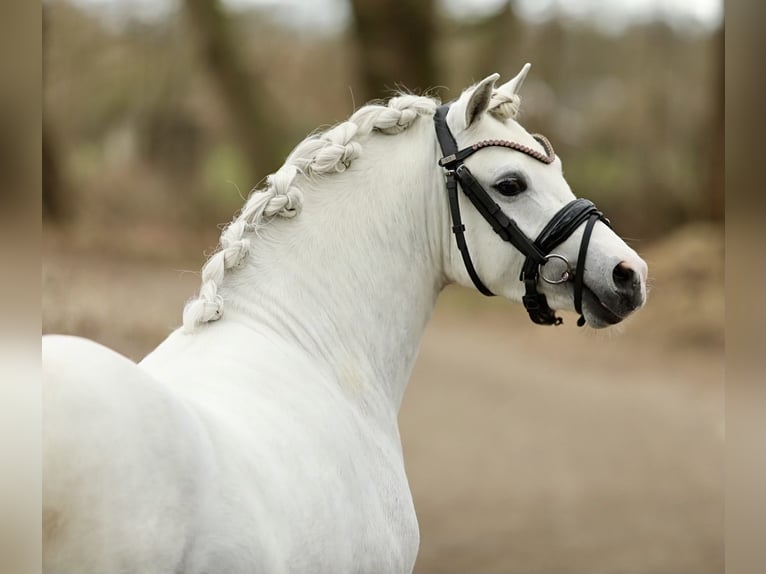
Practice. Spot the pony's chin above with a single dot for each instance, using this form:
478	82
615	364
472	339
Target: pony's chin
597	313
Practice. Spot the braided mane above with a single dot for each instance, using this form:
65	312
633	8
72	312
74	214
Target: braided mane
328	152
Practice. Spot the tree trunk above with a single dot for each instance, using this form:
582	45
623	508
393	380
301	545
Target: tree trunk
54	206
250	113
396	45
53	195
502	47
715	200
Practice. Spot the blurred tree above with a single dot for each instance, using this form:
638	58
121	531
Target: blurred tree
551	52
502	46
53	186
477	47
395	44
53	189
247	104
715	207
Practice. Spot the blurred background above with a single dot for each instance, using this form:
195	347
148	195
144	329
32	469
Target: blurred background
528	449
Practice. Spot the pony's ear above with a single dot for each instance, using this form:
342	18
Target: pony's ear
478	99
513	86
505	100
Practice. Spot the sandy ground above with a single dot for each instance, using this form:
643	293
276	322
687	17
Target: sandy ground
529	449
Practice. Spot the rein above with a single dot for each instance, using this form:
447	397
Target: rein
537	251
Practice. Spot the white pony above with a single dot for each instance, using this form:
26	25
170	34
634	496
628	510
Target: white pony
262	435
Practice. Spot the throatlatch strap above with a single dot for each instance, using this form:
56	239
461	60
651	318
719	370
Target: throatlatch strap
580	271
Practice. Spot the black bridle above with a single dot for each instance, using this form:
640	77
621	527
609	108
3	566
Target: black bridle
537	252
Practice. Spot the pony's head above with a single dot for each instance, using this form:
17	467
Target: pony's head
576	257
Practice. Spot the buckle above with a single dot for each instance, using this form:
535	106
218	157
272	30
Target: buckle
531	302
446	160
537	306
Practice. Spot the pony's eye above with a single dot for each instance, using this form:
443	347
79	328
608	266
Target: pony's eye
512	185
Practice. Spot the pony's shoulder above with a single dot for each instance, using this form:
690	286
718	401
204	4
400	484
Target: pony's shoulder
80	372
64	353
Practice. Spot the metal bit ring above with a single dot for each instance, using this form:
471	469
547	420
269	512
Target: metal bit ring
565	276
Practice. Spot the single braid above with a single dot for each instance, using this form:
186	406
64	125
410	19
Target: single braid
504	106
332	151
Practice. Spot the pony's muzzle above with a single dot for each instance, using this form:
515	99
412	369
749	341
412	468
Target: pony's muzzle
629	279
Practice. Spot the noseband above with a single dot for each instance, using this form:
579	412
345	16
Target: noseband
537	252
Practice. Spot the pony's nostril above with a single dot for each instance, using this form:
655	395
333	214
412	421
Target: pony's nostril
625	277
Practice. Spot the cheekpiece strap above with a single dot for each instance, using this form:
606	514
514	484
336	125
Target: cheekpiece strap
449	146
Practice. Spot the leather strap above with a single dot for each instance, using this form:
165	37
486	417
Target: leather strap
580	271
459	230
503	225
449	146
561	226
443	134
564	222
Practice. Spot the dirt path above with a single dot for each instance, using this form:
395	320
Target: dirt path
563	453
528	449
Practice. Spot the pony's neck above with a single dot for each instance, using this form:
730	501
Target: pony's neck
354	278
